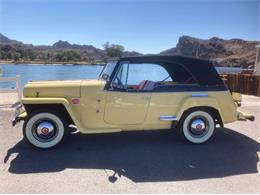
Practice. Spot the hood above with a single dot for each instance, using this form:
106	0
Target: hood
59	88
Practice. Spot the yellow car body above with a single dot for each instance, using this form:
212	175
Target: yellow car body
102	110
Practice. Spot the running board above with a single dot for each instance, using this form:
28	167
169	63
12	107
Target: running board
168	118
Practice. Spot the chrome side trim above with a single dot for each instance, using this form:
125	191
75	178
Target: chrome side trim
168	118
199	95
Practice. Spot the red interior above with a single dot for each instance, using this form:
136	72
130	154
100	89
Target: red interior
140	86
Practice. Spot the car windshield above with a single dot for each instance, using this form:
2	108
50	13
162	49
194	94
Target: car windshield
108	69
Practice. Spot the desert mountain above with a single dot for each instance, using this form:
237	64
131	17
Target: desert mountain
6	40
233	52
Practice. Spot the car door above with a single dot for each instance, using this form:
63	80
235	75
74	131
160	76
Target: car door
125	106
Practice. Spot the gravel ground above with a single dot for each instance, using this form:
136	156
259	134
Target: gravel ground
133	162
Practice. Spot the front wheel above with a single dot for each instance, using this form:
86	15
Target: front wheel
197	126
44	129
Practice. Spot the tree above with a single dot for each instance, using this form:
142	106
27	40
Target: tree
6	48
9	55
67	56
2	55
16	56
32	56
113	50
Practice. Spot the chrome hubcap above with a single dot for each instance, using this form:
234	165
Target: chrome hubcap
198	127
44	130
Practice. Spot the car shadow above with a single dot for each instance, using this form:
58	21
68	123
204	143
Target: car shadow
143	156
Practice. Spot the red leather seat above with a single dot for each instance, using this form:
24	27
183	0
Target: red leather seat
142	85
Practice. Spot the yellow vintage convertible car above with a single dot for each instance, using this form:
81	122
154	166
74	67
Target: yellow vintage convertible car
132	93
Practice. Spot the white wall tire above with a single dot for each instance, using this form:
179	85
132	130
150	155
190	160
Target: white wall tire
197	126
44	129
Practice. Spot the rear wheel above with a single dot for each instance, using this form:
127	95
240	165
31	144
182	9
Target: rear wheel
44	129
197	126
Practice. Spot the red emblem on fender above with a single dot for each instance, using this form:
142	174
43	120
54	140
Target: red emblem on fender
75	100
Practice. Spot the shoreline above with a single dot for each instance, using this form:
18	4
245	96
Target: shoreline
51	63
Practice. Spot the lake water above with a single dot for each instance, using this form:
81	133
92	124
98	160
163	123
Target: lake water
62	72
49	72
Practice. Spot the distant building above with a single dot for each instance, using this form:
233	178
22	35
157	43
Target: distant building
257	60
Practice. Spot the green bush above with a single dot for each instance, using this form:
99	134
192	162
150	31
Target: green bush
113	50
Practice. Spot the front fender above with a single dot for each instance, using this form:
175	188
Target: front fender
72	112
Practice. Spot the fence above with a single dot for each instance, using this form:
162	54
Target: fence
17	89
243	83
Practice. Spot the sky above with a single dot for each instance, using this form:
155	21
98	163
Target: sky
146	26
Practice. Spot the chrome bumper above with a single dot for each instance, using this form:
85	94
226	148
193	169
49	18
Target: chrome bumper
242	116
17	112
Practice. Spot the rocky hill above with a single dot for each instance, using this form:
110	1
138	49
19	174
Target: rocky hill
86	51
6	40
233	52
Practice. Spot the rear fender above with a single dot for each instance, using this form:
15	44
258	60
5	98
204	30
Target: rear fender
193	102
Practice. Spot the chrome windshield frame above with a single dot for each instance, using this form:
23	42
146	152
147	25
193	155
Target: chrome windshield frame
102	71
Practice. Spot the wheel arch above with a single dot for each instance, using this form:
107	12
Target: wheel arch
209	109
46	101
57	107
208	104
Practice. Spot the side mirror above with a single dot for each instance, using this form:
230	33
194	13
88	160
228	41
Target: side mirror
105	77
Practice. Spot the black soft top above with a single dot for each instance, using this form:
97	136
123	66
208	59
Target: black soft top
202	70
